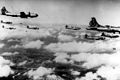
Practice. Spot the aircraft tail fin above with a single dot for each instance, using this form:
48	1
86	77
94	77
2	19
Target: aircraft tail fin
4	10
29	14
93	22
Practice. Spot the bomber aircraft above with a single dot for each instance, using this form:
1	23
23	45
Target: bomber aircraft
5	12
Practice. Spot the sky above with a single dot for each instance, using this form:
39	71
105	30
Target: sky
107	12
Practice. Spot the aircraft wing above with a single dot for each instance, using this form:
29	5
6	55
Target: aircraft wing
12	15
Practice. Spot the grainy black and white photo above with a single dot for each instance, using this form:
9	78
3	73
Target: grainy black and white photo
59	39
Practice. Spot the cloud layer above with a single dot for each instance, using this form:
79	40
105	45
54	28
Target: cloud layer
103	56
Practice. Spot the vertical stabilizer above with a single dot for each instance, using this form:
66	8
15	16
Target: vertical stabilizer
4	10
93	22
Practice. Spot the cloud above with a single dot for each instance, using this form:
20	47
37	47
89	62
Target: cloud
5	69
40	72
15	46
54	77
98	46
61	58
91	60
89	76
75	73
65	38
96	60
9	53
1	45
34	44
108	72
22	63
107	65
104	72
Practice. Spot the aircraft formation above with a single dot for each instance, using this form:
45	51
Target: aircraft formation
93	25
5	12
13	28
106	31
8	22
